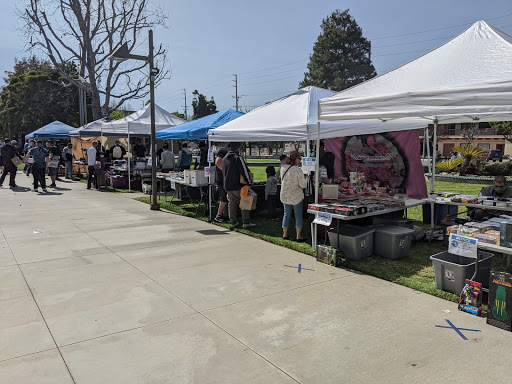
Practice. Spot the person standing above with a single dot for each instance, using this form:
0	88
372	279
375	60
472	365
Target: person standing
222	212
8	153
293	183
117	152
68	161
139	150
54	153
39	156
184	157
167	159
91	160
234	169
202	162
271	193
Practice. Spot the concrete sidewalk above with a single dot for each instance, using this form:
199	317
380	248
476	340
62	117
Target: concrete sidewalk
96	288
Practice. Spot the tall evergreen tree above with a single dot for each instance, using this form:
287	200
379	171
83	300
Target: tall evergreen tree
34	95
341	55
201	106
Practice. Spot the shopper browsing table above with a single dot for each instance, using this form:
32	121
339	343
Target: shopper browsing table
234	169
293	183
39	156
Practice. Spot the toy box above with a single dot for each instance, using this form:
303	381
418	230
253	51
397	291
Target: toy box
499	310
326	254
471	298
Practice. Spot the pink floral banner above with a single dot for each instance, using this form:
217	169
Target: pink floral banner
391	158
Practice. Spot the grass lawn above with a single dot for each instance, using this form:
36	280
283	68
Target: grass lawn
415	271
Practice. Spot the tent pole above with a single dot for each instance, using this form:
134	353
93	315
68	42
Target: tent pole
434	144
317	166
210	187
429	164
308	151
129	161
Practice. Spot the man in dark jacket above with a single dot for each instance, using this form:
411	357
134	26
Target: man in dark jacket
234	168
498	190
8	153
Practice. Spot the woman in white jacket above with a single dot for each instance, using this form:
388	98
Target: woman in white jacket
293	183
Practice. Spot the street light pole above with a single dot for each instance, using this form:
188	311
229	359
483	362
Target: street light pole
121	54
152	74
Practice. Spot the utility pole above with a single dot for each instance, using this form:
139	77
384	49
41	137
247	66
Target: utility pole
236	92
185	94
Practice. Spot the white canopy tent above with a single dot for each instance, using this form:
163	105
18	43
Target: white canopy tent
139	123
467	79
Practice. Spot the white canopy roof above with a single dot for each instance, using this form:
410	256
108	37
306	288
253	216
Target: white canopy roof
467	79
286	119
139	123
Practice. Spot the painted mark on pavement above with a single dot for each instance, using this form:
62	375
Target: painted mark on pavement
300	268
458	330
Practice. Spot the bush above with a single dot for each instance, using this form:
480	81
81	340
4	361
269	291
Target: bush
495	169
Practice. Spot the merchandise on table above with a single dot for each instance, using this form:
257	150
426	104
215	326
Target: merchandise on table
360	206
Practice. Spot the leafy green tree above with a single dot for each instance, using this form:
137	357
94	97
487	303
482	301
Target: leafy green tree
116	115
340	56
34	95
180	115
201	106
505	129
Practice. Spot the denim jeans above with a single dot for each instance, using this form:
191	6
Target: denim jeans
68	171
297	209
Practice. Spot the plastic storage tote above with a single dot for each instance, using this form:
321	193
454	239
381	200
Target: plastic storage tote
391	242
355	242
397	221
451	271
440	212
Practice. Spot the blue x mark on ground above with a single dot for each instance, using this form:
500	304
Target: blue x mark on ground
458	330
299	268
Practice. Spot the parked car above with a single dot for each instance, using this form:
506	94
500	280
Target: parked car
495	154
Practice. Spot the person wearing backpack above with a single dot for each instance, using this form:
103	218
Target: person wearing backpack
293	183
117	152
184	158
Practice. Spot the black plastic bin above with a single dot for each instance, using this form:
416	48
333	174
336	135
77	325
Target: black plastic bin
440	212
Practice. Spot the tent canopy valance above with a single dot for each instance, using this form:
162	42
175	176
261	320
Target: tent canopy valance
198	129
467	79
54	130
92	129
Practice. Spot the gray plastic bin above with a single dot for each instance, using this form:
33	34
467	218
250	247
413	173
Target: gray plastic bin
355	242
451	271
397	221
391	242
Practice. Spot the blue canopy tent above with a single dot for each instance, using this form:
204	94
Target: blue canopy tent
54	130
198	129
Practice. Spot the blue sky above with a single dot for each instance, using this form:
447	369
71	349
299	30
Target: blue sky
268	43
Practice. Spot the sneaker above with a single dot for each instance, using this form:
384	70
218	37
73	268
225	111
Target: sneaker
45	190
233	226
249	225
219	219
13	186
1	185
53	185
35	190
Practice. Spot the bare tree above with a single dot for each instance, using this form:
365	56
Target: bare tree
87	32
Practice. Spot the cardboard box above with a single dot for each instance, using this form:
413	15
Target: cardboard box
506	234
249	203
17	162
329	191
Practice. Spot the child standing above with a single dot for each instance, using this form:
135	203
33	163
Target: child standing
271	193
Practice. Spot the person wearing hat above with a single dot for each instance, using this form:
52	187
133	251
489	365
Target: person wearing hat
117	152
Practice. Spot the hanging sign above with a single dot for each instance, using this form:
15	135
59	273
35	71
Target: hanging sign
173	184
308	164
463	246
323	218
210	156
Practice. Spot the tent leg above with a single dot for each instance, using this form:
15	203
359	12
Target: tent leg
434	151
210	186
317	166
129	161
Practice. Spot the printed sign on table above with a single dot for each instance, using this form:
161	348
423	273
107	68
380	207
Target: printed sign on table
323	218
210	156
173	184
308	164
463	246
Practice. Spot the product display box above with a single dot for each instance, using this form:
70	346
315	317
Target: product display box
499	310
